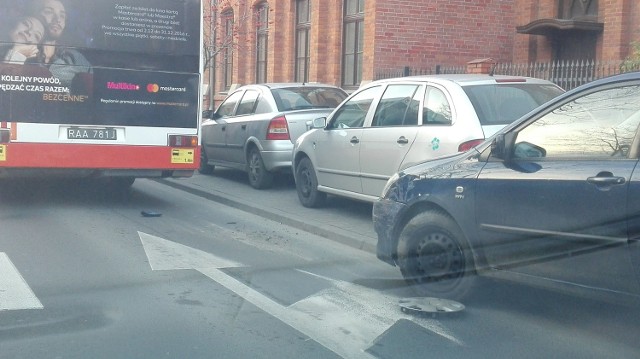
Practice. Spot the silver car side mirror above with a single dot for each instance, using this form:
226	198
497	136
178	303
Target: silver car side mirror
319	122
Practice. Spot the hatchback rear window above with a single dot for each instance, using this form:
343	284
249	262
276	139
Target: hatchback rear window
300	98
501	104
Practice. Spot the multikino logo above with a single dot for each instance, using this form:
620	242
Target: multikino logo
122	86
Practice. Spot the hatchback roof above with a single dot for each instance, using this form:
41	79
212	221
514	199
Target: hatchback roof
464	79
275	85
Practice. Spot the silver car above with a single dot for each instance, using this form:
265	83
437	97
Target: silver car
391	124
255	127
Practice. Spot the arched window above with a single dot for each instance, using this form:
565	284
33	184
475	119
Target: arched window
578	9
262	33
353	42
227	44
573	33
303	27
577	44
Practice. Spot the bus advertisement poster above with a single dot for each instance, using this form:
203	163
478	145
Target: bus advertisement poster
106	62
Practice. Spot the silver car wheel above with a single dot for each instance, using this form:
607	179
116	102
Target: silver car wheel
259	177
307	185
205	168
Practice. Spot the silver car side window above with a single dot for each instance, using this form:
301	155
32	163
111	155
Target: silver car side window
354	112
437	110
263	106
398	106
248	103
228	106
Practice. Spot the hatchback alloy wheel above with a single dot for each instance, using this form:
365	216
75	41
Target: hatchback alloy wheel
259	177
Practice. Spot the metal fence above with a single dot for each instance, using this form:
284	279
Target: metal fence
566	74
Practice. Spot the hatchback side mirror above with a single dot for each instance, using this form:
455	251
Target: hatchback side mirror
207	114
319	122
210	115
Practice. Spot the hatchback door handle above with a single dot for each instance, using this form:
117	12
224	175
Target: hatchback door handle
403	140
244	127
354	140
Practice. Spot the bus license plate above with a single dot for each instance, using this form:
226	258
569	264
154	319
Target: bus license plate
80	133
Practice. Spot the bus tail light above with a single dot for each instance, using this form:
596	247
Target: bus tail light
465	146
278	129
183	141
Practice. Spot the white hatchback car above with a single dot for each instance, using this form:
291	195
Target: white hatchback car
391	124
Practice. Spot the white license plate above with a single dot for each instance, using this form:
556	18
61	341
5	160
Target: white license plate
81	133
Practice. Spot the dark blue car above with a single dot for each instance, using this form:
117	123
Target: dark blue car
554	198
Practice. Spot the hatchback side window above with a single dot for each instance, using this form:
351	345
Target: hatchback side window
437	110
599	125
227	107
248	103
263	106
353	112
398	106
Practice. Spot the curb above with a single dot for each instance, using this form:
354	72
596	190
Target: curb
292	222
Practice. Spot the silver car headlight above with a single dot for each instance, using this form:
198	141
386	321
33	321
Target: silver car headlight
390	184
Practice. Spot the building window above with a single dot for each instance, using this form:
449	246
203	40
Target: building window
262	31
353	42
303	26
227	48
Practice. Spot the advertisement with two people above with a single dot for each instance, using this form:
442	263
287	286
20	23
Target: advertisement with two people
104	62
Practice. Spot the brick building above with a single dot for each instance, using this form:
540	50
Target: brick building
575	29
343	42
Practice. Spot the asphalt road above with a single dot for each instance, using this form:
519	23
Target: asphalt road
226	271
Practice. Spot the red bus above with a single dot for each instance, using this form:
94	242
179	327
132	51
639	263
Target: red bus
100	88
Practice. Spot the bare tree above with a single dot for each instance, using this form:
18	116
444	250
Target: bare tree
227	32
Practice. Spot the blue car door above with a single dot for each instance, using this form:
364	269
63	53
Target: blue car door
633	213
558	209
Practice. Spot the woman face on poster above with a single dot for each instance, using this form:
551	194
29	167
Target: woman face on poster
26	35
28	30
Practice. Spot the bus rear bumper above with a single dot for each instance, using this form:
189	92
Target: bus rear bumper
90	173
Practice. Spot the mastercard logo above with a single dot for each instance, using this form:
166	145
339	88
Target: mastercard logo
153	88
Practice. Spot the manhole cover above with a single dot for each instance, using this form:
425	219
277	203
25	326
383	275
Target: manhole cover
427	305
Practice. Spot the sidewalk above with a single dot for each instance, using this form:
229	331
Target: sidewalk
342	220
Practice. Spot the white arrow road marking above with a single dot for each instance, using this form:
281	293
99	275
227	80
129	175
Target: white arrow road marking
167	255
345	319
15	293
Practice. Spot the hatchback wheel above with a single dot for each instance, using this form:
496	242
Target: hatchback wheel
434	256
307	185
259	177
205	168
